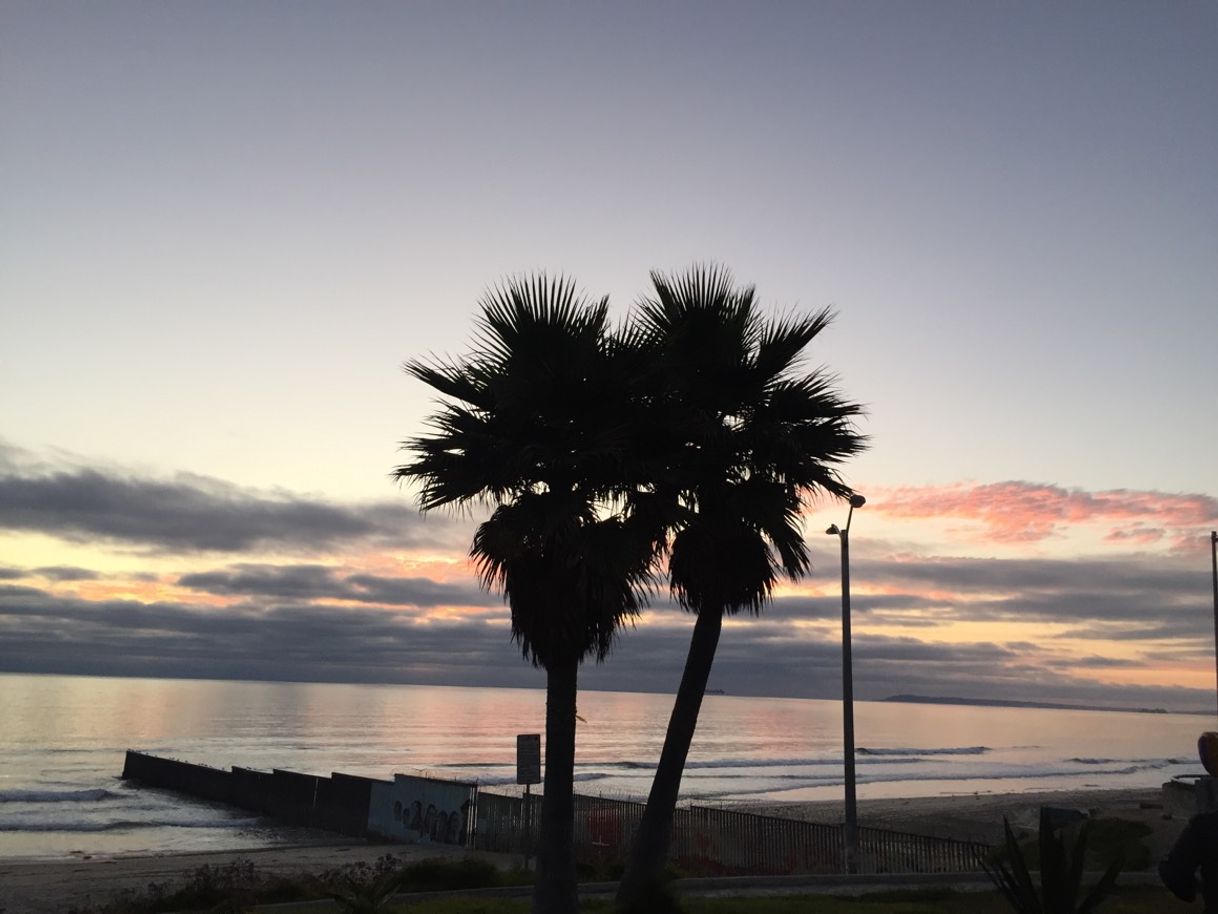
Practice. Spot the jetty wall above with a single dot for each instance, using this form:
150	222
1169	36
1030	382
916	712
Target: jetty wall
184	777
343	803
407	809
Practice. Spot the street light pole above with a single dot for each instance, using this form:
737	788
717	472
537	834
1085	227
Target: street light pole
1214	571
851	823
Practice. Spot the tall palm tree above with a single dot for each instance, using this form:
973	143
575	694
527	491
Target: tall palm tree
747	440
533	424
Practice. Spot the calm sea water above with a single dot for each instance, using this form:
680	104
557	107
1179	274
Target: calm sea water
64	738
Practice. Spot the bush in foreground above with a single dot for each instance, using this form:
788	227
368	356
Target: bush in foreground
240	885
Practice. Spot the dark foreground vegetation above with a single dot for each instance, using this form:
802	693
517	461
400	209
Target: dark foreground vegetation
241	886
1140	900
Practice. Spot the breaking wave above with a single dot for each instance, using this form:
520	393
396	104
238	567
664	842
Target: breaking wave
57	796
957	750
123	825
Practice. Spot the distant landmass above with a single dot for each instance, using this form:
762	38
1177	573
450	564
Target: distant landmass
1002	703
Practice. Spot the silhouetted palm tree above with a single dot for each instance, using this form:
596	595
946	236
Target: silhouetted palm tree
534	423
747	440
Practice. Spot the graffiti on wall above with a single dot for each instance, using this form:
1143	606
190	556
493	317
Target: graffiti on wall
421	810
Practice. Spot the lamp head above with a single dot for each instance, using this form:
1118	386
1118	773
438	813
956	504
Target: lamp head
833	531
857	501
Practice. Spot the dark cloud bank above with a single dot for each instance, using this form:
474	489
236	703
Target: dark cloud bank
294	637
309	621
320	582
192	514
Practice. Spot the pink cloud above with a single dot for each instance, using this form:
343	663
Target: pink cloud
1136	535
1017	512
1191	542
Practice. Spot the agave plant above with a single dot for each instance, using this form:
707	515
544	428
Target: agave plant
371	897
1061	873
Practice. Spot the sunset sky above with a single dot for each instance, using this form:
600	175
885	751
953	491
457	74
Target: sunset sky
226	225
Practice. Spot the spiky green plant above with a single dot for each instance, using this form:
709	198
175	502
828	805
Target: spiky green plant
1061	873
371	897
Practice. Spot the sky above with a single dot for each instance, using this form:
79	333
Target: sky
226	225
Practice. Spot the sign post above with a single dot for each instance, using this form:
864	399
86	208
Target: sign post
528	773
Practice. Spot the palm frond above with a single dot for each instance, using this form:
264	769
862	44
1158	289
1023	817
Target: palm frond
722	567
743	438
570	579
536	421
782	341
461	381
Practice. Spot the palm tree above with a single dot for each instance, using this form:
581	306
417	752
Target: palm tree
748	441
533	424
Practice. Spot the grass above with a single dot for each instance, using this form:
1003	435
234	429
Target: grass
241	887
1134	900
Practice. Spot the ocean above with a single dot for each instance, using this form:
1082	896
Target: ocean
64	739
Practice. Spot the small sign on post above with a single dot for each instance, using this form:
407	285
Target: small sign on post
528	758
528	773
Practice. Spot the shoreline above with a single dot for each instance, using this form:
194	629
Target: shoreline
42	886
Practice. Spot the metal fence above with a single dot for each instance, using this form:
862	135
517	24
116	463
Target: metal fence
883	851
710	841
723	842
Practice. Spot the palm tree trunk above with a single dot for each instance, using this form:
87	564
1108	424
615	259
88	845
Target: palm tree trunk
554	891
650	849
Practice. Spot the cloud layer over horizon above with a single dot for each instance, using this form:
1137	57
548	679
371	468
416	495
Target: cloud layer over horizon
355	605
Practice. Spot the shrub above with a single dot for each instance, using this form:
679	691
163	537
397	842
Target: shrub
438	874
1061	872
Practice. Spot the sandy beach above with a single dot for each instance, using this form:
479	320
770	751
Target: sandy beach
40	887
978	816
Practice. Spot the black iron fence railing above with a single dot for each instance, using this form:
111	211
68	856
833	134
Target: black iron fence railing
711	841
